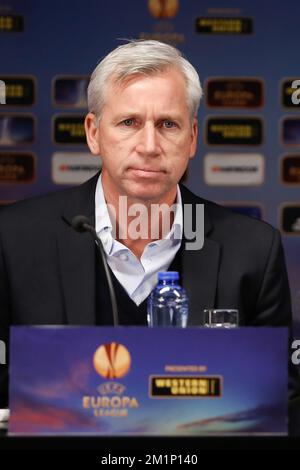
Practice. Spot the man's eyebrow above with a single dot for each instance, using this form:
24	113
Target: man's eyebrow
126	115
170	117
133	114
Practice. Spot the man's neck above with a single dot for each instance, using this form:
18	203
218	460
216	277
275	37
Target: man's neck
138	222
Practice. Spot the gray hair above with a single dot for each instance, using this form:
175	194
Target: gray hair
141	57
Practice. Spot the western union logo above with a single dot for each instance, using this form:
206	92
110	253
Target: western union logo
234	131
225	25
182	386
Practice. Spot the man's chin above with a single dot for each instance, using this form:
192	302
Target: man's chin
146	192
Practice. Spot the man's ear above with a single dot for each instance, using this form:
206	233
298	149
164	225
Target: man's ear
194	138
92	133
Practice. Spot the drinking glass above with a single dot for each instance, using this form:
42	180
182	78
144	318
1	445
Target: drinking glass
221	318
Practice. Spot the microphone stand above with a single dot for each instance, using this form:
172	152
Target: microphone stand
81	223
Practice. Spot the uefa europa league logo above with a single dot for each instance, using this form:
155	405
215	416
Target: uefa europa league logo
112	361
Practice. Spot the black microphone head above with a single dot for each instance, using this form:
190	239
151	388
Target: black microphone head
79	223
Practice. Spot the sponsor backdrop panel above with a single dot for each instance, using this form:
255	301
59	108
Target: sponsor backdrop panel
248	153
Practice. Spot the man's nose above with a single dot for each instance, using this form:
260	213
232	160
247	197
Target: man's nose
148	140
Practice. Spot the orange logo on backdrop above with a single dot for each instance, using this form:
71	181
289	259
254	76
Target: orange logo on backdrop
163	8
112	360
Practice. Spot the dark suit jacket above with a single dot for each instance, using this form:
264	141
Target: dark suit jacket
47	269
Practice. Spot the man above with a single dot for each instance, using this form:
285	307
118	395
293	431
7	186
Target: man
143	101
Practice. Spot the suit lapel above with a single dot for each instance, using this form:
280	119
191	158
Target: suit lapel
200	268
77	261
200	276
77	257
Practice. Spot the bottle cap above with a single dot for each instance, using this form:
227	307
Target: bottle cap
168	276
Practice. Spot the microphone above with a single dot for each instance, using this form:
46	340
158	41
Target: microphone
81	224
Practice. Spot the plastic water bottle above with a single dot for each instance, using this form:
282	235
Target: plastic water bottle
168	302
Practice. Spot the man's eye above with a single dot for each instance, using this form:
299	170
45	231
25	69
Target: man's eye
169	124
128	122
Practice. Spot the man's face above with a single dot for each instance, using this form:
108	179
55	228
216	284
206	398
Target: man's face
145	137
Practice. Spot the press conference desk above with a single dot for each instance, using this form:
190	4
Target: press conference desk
99	446
102	446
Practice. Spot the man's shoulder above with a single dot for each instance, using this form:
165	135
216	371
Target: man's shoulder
226	222
47	204
48	207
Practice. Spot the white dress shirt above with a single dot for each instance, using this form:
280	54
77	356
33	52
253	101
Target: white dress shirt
137	276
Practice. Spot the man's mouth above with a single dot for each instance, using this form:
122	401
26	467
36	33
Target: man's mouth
146	172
